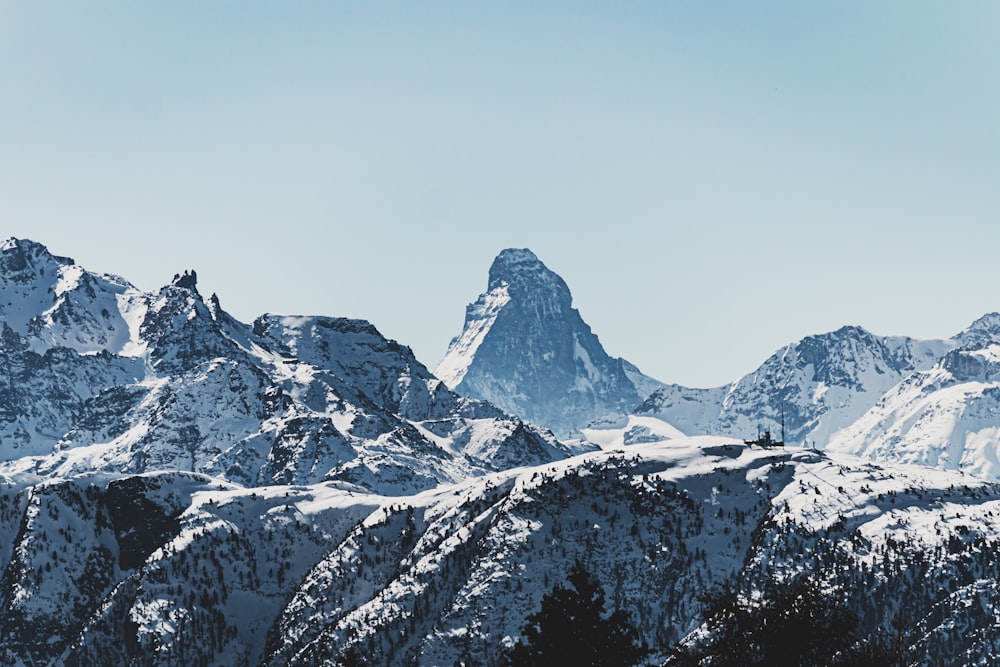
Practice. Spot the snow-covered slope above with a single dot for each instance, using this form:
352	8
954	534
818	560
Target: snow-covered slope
822	384
180	568
103	377
56	303
948	417
622	430
894	399
525	349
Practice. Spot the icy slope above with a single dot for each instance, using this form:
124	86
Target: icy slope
525	349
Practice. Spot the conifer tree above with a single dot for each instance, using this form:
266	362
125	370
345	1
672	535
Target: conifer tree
570	629
794	624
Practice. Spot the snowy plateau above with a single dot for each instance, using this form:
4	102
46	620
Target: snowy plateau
181	488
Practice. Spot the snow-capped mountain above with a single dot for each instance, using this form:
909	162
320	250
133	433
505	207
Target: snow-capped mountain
181	488
822	384
947	416
525	349
891	399
103	377
181	569
984	331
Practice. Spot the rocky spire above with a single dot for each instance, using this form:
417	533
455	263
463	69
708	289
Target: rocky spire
187	280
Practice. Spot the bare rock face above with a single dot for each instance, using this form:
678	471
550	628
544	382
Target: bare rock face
525	349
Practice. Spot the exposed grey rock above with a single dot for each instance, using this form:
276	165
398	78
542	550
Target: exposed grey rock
525	349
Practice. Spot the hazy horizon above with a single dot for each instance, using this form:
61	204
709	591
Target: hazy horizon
713	181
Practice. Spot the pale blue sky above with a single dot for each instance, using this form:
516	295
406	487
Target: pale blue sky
712	179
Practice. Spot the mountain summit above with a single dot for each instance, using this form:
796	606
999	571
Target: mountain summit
528	351
530	281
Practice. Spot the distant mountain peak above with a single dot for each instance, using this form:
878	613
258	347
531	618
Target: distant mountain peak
850	331
29	247
512	262
527	278
22	260
527	350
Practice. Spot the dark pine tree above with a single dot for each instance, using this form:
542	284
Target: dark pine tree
570	629
795	624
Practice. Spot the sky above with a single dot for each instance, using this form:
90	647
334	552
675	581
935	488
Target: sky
712	180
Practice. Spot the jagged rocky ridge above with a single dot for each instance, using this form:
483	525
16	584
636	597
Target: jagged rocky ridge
99	376
183	569
930	402
185	489
525	349
823	383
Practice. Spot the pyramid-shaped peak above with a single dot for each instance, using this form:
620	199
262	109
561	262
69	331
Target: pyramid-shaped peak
521	270
517	256
525	349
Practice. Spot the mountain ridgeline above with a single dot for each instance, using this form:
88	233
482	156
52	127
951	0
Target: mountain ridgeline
100	376
889	398
180	488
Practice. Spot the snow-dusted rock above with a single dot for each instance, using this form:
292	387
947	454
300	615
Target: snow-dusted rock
946	417
180	568
103	377
821	384
525	349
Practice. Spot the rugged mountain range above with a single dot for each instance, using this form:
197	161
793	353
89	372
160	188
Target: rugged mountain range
180	488
889	399
822	383
525	349
99	376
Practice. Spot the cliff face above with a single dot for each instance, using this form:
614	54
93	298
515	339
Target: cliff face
525	349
